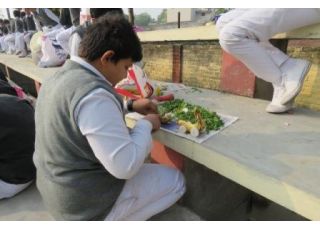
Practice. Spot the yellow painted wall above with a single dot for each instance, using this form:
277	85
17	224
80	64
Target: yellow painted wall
310	94
158	61
201	65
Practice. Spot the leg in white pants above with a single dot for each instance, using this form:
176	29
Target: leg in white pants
153	189
63	38
245	32
19	43
9	190
3	44
10	41
27	38
52	32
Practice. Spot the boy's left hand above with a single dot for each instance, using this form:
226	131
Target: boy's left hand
145	106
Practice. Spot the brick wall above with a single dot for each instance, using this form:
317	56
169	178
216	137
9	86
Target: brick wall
310	50
201	64
158	61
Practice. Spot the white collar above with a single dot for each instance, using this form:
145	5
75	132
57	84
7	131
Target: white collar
88	66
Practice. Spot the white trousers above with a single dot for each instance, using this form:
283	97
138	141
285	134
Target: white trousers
19	42
153	189
52	32
27	38
63	38
10	42
9	190
3	45
244	33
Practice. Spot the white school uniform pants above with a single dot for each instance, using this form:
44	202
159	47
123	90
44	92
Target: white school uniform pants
63	38
19	42
244	33
3	45
27	38
9	190
10	42
53	31
153	189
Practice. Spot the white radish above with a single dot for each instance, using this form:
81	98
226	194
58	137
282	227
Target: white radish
194	132
182	129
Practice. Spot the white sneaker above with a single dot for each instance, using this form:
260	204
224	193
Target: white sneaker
295	71
23	54
275	106
10	52
278	108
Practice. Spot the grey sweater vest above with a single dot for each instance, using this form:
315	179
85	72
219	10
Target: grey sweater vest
73	183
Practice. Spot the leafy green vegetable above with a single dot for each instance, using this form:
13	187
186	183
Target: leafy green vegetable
182	110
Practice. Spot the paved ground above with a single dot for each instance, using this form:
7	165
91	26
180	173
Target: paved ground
28	206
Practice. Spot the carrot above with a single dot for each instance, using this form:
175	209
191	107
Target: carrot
168	97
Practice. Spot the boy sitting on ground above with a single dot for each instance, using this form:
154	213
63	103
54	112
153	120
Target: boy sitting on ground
89	165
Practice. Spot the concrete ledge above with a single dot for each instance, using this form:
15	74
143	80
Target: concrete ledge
276	156
209	32
182	34
308	32
26	67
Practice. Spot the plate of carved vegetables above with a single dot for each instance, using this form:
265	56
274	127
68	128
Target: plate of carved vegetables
192	121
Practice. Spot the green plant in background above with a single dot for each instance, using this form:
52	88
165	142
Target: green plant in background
143	19
162	18
218	11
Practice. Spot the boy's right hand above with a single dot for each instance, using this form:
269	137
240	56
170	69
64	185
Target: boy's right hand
155	121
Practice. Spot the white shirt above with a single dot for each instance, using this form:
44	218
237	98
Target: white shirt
99	118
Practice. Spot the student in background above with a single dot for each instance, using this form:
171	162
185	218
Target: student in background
64	36
10	38
20	46
1	34
31	27
17	138
78	33
5	31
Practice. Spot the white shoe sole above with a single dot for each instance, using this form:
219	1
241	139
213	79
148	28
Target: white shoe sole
280	108
295	92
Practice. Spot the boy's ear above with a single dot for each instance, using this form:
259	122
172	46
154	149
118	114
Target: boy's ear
106	57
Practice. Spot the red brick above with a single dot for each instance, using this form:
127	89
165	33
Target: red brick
161	154
236	78
176	64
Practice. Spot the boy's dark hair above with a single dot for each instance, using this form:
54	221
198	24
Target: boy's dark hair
98	12
111	32
6	21
16	13
1	20
22	14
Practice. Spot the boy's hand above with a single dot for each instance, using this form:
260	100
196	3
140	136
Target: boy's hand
145	106
155	121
